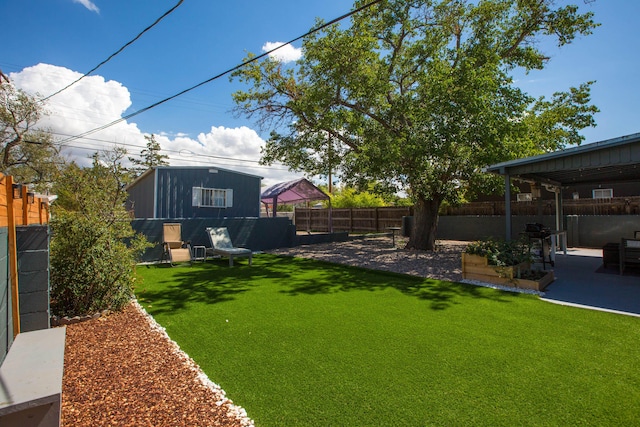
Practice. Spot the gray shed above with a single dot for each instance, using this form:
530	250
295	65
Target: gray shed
175	192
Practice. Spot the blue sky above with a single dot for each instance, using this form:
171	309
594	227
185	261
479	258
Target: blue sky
49	43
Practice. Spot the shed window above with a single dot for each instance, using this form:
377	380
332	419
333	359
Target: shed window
212	197
524	197
603	193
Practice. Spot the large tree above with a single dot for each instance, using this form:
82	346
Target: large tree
26	151
419	95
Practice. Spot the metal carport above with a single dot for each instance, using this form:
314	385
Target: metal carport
604	162
298	190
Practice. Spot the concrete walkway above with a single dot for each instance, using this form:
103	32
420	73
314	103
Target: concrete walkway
581	280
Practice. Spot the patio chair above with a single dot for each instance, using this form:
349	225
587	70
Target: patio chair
221	245
173	247
629	253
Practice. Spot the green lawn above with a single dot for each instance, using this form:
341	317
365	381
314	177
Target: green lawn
305	343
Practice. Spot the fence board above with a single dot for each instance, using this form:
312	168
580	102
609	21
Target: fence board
353	220
356	220
613	206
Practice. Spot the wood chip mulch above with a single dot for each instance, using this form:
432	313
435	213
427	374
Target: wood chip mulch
123	370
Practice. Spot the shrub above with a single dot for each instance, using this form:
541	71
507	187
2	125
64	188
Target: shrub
93	247
348	197
502	252
92	268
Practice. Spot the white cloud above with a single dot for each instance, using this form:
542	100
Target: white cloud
286	53
88	104
243	143
230	148
88	4
94	101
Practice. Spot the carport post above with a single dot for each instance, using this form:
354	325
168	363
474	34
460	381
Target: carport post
507	204
559	209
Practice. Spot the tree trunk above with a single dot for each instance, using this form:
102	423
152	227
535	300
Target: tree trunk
425	224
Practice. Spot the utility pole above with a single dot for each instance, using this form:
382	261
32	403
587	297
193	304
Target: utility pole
329	174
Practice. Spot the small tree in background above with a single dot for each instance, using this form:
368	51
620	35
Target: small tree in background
349	197
149	157
93	247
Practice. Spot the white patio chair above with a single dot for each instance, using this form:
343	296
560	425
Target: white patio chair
221	245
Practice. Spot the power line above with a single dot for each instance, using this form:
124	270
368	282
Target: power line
172	153
201	158
118	51
143	92
230	70
137	146
180	152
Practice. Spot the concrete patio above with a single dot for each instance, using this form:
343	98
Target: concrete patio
581	280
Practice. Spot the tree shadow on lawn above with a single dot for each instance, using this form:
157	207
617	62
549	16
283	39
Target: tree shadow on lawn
211	282
341	278
215	282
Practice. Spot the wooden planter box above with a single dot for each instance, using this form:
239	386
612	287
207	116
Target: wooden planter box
476	267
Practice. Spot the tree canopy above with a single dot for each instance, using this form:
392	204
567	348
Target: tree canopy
419	96
26	151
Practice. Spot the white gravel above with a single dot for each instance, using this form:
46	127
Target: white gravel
378	253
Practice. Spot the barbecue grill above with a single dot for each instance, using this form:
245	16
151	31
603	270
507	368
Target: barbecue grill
540	238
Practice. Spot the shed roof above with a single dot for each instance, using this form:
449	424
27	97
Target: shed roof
608	161
295	191
210	168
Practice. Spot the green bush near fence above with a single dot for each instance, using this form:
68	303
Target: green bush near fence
93	247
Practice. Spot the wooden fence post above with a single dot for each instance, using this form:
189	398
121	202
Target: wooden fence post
377	225
43	211
40	203
13	258
25	206
351	227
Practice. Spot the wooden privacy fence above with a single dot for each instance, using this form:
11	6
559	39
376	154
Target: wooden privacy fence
367	220
612	206
18	206
26	208
353	220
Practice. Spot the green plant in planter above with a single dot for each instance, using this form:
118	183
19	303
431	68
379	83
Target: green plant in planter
511	260
502	253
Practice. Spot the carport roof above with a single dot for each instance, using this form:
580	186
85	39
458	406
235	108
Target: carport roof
608	161
295	191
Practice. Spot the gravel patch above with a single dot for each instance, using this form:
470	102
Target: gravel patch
445	263
503	288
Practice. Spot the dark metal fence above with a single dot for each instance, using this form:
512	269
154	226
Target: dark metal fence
254	233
